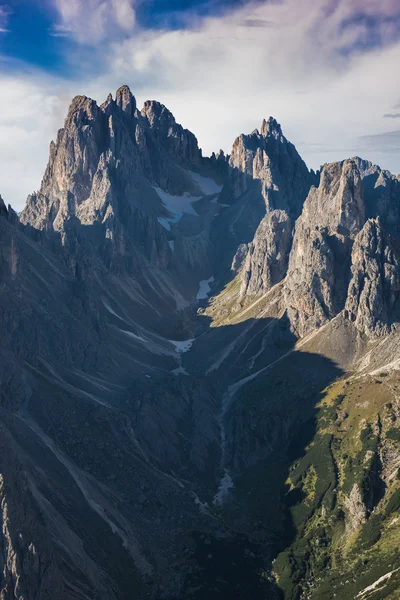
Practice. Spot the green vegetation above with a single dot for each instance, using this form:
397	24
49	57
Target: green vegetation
332	488
394	503
393	434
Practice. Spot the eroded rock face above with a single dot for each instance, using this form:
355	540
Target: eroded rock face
267	157
381	191
177	142
373	294
102	171
319	264
266	259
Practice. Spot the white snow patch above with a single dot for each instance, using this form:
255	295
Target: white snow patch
182	346
204	288
171	244
133	335
203	506
207	185
225	485
112	311
180	371
177	206
165	223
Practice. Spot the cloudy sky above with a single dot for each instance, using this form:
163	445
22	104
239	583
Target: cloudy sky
327	70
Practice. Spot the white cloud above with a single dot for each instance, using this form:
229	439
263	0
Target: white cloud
302	61
92	22
5	12
32	109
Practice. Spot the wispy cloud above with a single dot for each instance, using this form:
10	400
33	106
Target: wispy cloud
58	30
91	22
391	116
257	23
302	61
388	142
5	12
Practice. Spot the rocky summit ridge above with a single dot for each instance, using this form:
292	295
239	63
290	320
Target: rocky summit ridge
199	369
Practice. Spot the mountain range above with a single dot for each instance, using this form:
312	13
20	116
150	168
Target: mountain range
200	390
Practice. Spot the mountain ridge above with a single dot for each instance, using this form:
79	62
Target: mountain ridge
199	367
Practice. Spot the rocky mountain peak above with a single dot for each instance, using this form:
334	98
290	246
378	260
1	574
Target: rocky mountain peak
3	209
156	112
126	100
169	135
81	108
267	166
271	128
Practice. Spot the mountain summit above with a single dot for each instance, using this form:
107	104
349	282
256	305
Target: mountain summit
199	369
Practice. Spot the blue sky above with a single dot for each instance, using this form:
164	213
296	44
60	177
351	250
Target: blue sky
326	69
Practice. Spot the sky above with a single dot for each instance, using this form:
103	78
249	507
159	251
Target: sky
327	70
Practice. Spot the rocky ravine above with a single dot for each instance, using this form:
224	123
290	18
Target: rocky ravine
199	369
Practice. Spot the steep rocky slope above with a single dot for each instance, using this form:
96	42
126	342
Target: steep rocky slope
199	369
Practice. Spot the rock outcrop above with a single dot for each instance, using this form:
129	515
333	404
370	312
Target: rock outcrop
266	160
373	296
319	264
264	261
103	170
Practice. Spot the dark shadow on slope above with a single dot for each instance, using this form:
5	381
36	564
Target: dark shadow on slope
269	423
81	441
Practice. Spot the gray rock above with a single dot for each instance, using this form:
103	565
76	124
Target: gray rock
373	294
267	255
319	264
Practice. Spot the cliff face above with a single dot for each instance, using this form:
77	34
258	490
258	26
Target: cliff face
373	294
104	171
319	263
267	157
198	367
263	262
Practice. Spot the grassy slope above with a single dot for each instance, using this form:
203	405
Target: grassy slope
356	443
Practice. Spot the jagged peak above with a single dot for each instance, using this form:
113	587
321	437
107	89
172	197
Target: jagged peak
153	110
125	99
271	127
3	209
82	105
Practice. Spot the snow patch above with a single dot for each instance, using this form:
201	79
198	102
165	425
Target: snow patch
177	206
225	485
171	244
207	185
204	288
203	506
182	346
133	335
112	311
180	371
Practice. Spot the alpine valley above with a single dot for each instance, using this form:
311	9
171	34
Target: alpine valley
200	369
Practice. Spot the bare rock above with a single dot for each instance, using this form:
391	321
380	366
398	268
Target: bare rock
373	294
319	264
267	255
